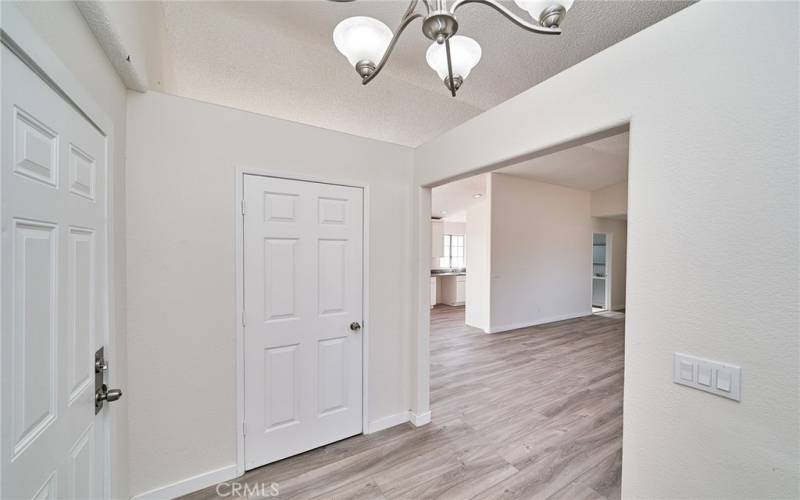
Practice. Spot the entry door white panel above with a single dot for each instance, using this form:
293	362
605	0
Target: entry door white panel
53	279
303	288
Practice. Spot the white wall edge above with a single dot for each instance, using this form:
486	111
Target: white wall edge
552	319
386	422
102	25
190	484
421	419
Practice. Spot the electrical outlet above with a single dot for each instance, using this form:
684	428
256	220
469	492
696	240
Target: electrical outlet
721	379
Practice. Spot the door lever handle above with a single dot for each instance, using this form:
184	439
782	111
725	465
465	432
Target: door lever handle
106	394
355	326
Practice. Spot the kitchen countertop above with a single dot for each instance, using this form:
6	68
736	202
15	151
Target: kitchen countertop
448	273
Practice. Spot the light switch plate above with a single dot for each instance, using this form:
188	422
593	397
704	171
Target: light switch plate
704	374
722	379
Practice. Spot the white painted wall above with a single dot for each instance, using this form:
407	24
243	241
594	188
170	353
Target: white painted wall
420	364
619	243
713	205
181	294
437	244
541	260
63	29
454	227
610	200
478	247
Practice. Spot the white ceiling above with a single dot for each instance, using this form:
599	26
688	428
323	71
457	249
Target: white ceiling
450	201
587	167
277	58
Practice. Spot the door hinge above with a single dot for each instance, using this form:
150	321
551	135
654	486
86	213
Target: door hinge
244	207
244	428
244	319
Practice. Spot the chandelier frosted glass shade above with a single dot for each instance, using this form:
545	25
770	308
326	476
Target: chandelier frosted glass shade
464	53
538	8
368	43
362	38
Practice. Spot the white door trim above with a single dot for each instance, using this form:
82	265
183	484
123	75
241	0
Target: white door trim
609	270
239	273
16	28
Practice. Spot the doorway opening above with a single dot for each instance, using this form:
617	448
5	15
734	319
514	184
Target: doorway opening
534	295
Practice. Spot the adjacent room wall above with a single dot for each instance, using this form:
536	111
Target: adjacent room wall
477	245
541	244
454	227
713	198
181	293
610	200
619	242
64	30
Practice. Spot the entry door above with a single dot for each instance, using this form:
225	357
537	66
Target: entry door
303	309
53	291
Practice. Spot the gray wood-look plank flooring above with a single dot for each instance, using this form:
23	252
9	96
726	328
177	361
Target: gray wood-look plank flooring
531	413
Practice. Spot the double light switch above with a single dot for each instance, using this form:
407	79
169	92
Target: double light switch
722	379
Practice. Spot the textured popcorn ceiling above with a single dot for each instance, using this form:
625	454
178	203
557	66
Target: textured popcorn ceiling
277	58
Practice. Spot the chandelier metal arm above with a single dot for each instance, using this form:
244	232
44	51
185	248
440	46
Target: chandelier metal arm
408	17
450	68
412	6
534	27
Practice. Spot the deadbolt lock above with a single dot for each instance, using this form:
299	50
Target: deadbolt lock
355	326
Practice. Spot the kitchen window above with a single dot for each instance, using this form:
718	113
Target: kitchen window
453	251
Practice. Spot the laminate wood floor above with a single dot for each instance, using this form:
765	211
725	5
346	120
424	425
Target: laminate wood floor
531	413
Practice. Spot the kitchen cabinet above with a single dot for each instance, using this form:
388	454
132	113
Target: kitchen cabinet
437	239
453	289
433	291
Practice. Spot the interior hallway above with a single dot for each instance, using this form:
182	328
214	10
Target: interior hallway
531	413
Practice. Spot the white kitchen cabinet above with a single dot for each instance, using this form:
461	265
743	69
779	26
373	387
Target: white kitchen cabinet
433	291
453	289
437	239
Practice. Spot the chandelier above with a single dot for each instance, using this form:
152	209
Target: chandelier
367	43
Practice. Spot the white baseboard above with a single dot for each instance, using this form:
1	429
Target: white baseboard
475	326
397	419
190	484
210	478
386	422
419	419
542	321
